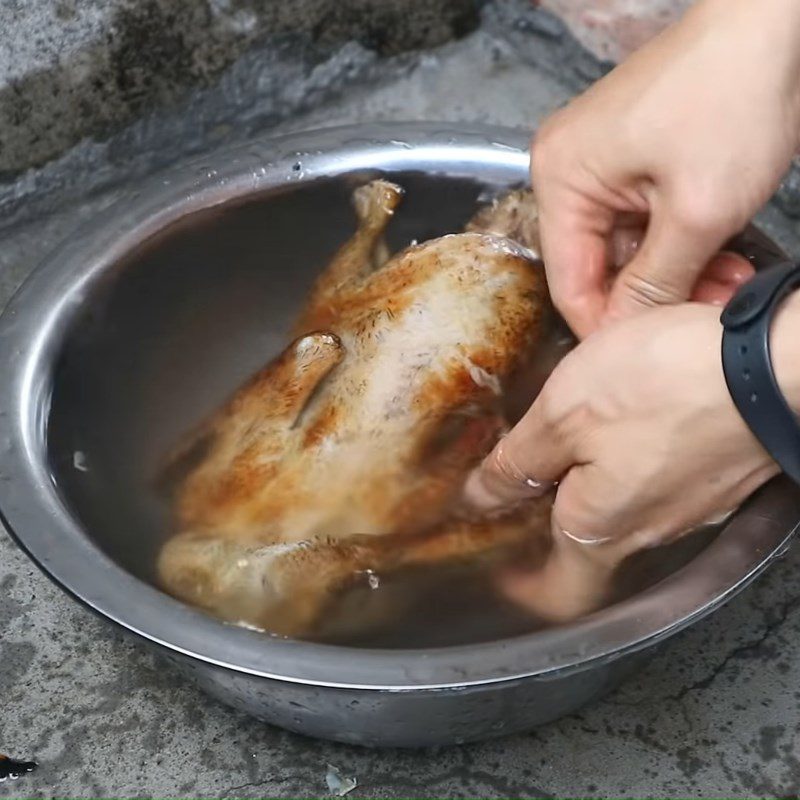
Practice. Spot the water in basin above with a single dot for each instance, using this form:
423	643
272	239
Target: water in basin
184	320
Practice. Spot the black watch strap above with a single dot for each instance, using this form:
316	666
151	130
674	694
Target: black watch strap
747	363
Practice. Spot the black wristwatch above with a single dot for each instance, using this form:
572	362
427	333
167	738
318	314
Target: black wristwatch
747	363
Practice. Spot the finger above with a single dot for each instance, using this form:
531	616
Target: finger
524	464
625	244
712	292
588	507
724	274
609	519
577	574
575	242
567	585
626	238
667	266
730	268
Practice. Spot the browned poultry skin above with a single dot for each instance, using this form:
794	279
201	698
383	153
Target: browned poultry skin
347	452
514	215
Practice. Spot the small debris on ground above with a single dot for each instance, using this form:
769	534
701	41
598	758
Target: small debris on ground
338	784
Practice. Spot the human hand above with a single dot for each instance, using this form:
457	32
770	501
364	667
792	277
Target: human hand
689	137
637	427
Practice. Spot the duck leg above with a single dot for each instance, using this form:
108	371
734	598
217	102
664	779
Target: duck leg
363	253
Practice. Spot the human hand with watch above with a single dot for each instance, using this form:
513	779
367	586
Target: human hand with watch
637	428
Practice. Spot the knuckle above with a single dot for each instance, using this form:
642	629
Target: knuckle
647	291
594	503
578	514
578	310
559	416
547	407
705	211
563	405
547	148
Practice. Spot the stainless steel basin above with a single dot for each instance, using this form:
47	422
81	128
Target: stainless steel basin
117	343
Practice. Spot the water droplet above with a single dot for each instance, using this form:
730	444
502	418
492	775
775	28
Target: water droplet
373	580
79	461
502	146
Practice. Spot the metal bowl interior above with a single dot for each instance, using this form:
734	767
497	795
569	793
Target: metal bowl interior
121	340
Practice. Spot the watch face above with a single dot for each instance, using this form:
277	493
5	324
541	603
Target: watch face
10	769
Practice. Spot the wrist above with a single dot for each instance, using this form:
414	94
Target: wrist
785	350
775	48
775	20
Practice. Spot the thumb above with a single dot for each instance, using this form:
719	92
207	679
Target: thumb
669	262
575	234
524	464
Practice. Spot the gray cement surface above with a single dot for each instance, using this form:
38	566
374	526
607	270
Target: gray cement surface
717	713
76	68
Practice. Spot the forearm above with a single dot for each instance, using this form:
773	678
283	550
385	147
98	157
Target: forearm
769	31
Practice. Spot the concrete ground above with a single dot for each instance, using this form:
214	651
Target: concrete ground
716	714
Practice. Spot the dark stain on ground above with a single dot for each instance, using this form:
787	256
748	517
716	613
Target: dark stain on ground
155	50
152	52
65	10
16	659
768	739
688	762
10	607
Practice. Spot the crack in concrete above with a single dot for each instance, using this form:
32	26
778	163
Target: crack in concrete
463	773
785	611
231	789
